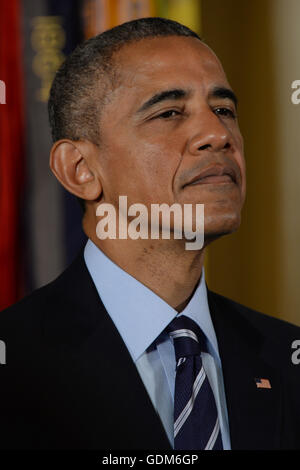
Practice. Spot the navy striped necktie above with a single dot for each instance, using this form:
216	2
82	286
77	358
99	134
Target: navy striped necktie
196	422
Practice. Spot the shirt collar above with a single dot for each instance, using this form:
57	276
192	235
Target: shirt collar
137	312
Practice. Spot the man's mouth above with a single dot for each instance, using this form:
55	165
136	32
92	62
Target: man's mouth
215	174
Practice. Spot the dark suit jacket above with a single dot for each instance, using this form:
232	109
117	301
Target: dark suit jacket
70	383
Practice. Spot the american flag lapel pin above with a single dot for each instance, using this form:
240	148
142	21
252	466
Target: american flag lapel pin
262	383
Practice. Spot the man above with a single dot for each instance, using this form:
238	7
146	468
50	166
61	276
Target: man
145	111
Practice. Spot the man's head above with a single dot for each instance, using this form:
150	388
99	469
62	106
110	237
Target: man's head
145	110
83	81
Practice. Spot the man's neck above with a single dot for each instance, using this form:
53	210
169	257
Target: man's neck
164	266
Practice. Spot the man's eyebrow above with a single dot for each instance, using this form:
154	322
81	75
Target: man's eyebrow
174	94
224	93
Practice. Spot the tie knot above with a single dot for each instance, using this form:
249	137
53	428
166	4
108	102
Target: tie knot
189	339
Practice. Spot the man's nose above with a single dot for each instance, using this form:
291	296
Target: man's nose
210	134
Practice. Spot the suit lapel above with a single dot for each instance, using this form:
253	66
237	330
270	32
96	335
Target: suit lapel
97	369
254	413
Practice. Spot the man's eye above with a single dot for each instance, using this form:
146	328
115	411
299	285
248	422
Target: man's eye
226	112
168	114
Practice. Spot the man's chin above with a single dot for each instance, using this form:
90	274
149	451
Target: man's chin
213	231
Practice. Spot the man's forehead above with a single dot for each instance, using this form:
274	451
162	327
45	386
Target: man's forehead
151	55
160	63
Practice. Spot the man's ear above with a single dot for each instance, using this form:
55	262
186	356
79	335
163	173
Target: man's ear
73	169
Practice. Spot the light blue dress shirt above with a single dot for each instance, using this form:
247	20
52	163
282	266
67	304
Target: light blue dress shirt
141	317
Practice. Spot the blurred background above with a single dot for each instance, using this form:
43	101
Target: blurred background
257	42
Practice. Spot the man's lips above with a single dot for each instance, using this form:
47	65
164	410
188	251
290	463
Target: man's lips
213	180
215	174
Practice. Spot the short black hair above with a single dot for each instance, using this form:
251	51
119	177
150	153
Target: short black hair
78	88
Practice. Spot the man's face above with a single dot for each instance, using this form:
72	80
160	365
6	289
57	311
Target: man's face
169	132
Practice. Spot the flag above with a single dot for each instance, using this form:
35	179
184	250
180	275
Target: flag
100	15
262	383
53	217
187	12
11	155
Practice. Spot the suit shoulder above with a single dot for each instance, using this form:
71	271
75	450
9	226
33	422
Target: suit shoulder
61	311
47	298
28	312
267	324
275	339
